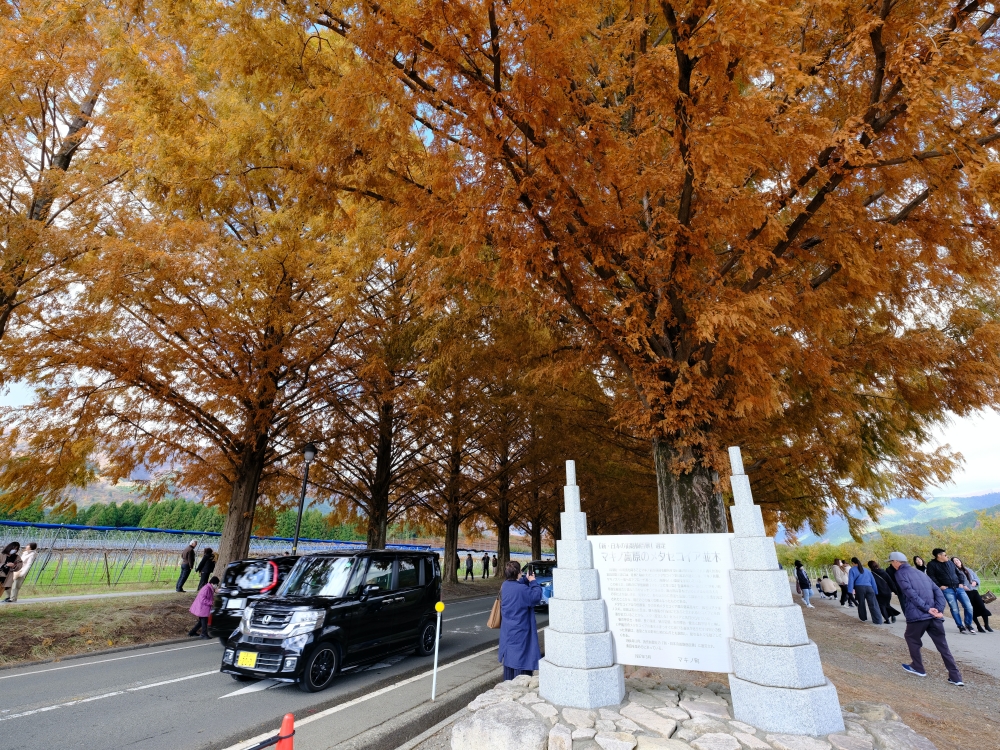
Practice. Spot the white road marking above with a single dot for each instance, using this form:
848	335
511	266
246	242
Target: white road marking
106	695
343	706
256	687
484	612
102	661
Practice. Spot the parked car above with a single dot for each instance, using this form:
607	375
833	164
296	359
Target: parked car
335	610
543	575
242	580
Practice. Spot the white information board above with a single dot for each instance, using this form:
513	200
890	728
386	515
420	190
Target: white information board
668	598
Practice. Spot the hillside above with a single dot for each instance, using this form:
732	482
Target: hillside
964	521
908	513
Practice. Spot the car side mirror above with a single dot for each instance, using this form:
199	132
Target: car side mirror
369	589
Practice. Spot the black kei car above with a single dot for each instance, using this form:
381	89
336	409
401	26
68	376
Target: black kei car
241	580
335	610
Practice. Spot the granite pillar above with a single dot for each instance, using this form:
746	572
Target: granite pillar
777	682
579	667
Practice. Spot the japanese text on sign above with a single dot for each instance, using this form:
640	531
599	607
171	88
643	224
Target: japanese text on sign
668	598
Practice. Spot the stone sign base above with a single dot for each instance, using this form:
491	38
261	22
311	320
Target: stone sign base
654	714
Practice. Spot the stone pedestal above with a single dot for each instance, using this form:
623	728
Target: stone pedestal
777	683
579	667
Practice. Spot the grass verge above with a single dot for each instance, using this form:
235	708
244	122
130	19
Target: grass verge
66	628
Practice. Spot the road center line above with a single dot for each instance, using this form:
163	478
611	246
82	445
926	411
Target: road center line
484	612
102	661
341	707
106	695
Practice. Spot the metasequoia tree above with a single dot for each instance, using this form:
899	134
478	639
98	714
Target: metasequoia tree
51	152
778	221
198	340
374	418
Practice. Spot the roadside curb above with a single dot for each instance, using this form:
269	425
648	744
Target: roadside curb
409	724
266	726
72	657
428	733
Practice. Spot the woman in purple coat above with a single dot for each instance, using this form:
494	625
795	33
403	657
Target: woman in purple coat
202	607
519	651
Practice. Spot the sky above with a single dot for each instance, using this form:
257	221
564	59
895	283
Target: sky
976	437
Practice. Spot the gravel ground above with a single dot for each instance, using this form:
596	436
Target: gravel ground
864	663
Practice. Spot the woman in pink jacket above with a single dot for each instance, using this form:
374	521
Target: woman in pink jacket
202	607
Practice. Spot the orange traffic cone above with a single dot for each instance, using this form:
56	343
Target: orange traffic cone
286	736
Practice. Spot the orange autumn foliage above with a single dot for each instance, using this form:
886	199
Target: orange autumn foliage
777	220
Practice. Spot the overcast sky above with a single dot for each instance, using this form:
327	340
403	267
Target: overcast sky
977	438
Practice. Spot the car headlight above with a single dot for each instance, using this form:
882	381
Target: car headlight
245	620
305	621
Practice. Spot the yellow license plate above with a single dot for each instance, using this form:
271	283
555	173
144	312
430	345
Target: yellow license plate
247	659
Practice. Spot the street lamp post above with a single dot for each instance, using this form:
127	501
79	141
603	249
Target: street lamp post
308	453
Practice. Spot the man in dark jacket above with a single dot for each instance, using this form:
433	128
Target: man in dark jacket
468	568
942	571
187	562
924	602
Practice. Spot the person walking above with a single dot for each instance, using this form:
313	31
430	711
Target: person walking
972	589
918	563
894	585
861	583
10	563
468	568
13	583
519	652
883	593
924	602
496	565
946	577
803	584
187	563
205	566
841	573
201	607
486	565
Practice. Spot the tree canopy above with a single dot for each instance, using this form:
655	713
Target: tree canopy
454	244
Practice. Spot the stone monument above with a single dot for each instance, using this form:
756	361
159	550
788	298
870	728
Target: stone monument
579	668
777	682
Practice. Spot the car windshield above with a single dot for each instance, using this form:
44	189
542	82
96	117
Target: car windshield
543	569
319	576
255	574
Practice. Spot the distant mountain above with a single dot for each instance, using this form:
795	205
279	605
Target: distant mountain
964	521
908	514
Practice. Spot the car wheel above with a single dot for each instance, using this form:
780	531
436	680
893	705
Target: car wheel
425	645
223	640
320	669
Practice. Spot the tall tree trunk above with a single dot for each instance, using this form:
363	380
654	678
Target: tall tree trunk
378	517
688	503
451	528
238	526
503	521
536	538
453	521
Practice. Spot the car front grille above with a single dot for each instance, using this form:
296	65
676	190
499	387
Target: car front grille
268	663
258	640
269	620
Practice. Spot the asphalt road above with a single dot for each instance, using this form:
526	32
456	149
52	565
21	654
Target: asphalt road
175	697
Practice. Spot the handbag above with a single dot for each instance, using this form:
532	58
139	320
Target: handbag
988	597
493	621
